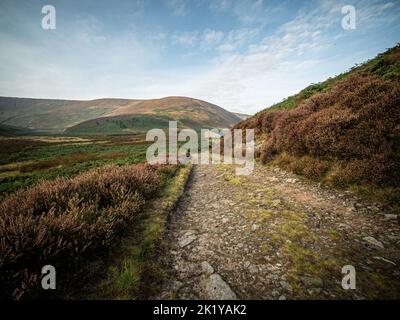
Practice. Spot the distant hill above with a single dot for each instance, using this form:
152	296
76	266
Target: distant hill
112	115
11	131
343	131
242	116
118	125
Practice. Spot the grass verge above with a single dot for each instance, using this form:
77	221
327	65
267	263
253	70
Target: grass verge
136	269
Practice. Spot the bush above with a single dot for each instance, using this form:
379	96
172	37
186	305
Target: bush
356	122
308	166
65	221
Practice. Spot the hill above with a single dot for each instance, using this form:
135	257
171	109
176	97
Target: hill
79	116
48	114
118	125
10	131
242	116
343	131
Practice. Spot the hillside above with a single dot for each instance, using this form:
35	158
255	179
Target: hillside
343	131
242	116
10	131
118	125
79	116
48	114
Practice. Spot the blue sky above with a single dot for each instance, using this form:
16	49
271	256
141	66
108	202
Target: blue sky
243	55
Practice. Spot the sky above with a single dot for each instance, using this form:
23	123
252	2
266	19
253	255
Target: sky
243	55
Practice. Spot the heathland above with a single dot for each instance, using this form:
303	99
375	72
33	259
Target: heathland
79	196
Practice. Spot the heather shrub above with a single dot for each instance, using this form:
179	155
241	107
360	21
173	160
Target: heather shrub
66	221
356	122
310	167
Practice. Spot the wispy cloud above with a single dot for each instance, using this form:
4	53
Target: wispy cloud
375	11
211	37
238	38
178	7
220	5
185	38
240	54
281	63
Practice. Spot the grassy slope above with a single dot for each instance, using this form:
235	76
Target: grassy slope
134	124
11	131
48	114
58	115
384	67
25	161
118	125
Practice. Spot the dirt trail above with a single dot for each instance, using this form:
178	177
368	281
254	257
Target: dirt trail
274	235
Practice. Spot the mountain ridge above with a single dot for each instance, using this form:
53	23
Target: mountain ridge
61	114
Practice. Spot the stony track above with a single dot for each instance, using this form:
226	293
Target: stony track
274	235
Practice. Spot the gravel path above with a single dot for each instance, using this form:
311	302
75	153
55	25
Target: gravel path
274	235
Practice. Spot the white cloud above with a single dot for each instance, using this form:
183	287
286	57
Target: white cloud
247	75
237	38
268	70
185	38
367	14
212	37
252	67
